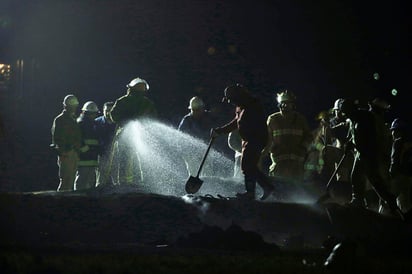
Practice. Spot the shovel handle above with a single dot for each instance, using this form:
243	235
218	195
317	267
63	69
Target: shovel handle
204	156
336	171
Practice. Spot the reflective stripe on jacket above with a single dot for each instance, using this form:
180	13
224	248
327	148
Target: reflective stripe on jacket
289	134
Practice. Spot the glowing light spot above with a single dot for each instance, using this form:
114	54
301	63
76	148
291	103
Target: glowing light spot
376	76
211	51
394	92
232	49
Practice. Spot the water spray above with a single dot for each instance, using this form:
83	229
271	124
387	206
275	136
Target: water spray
161	151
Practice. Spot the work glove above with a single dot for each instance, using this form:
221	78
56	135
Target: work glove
214	133
55	149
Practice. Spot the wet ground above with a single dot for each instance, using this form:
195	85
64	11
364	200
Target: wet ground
118	231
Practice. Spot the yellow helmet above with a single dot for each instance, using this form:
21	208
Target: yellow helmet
285	96
323	115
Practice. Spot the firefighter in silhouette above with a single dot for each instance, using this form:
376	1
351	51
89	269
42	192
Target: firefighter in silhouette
368	141
401	164
134	105
105	129
66	140
289	139
250	121
89	151
197	123
338	132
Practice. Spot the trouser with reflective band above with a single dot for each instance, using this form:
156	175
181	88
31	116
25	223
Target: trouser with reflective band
287	167
127	163
67	163
85	177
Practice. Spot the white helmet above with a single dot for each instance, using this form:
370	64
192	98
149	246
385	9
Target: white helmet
70	100
137	81
196	103
285	96
337	104
90	106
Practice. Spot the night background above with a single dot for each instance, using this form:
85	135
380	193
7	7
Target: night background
320	50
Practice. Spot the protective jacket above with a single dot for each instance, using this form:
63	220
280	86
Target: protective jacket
105	131
198	127
401	157
90	142
290	136
132	106
250	121
370	137
66	134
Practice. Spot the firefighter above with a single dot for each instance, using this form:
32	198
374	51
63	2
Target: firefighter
105	130
333	152
289	139
367	139
314	163
66	140
380	108
196	123
250	121
87	166
132	106
401	164
339	125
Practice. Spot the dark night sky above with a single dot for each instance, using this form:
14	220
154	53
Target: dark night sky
321	50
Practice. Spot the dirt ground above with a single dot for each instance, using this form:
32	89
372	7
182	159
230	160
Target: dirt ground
145	233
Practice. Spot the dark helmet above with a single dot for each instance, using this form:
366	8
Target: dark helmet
380	104
347	106
398	124
234	93
285	96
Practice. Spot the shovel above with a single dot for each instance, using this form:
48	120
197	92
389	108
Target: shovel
326	196
193	184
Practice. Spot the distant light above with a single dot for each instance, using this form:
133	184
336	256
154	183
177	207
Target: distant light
394	92
211	50
232	49
5	22
376	76
5	72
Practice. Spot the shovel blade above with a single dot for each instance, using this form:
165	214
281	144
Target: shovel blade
193	184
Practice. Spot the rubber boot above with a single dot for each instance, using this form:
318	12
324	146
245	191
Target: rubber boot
265	183
250	185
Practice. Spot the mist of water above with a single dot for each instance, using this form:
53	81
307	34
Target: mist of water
162	150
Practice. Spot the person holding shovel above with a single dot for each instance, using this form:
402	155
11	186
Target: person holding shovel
250	120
